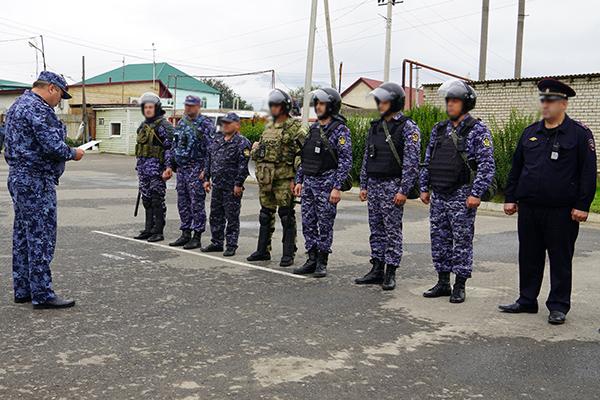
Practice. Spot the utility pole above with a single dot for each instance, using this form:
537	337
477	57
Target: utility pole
123	82
43	52
485	14
153	66
519	50
417	84
388	37
83	102
273	79
340	77
310	55
329	43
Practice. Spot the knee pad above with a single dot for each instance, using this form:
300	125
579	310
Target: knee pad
265	216
287	215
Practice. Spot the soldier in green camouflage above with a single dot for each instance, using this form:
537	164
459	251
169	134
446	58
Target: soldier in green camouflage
277	157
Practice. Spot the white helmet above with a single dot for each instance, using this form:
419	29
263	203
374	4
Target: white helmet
149	97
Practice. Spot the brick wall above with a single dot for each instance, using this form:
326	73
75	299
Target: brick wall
497	99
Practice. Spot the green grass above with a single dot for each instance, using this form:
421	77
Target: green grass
596	203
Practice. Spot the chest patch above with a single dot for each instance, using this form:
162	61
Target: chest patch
533	139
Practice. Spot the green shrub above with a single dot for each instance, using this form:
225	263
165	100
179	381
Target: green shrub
426	116
72	142
252	129
505	138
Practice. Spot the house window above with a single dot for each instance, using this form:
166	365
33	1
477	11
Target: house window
100	121
204	102
115	129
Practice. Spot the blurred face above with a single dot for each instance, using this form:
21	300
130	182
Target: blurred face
321	109
149	110
191	110
454	108
553	109
276	110
54	95
384	106
229	128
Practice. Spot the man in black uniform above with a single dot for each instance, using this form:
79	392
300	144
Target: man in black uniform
551	185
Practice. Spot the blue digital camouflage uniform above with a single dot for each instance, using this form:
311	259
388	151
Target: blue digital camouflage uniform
385	218
452	223
36	154
191	141
226	167
318	214
150	169
1	137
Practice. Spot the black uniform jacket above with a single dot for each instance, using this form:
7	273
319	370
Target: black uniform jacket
566	178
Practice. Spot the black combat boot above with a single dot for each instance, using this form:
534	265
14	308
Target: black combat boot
288	223
212	248
185	237
321	270
194	243
442	287
389	281
159	221
458	291
265	232
374	276
149	213
310	265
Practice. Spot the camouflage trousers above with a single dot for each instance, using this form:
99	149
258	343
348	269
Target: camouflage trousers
385	220
153	186
280	195
34	236
452	231
225	216
318	214
191	198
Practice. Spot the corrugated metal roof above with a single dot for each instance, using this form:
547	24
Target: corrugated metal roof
12	85
530	79
143	72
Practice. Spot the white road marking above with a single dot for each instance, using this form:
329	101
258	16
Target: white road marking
111	256
195	253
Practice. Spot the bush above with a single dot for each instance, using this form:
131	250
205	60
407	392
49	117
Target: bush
505	138
72	142
252	129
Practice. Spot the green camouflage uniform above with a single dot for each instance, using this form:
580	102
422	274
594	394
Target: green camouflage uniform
277	159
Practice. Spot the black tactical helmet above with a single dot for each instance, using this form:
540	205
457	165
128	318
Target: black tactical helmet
456	89
329	96
278	96
392	92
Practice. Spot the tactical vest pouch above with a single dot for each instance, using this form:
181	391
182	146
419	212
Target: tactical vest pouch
264	175
149	151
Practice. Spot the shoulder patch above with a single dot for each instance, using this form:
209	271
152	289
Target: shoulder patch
415	137
592	144
487	142
246	152
342	140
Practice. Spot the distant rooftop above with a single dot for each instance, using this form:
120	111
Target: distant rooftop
12	85
143	72
531	79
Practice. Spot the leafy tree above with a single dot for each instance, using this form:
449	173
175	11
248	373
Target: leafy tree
227	94
298	93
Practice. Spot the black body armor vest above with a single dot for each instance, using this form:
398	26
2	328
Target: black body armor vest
447	169
381	162
316	154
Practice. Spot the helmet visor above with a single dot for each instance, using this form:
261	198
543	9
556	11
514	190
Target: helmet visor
381	94
276	97
453	89
320	95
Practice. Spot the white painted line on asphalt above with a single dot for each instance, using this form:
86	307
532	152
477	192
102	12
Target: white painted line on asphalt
194	253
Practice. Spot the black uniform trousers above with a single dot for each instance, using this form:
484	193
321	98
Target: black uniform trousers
541	230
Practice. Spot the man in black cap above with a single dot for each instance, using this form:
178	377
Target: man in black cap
551	185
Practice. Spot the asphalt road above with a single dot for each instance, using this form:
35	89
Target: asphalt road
155	323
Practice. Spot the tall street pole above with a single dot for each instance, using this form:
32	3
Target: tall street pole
329	43
43	52
388	41
310	54
519	49
83	102
485	14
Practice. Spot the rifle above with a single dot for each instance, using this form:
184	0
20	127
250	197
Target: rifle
137	204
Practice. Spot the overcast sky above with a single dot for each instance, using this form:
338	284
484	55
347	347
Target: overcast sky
212	37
